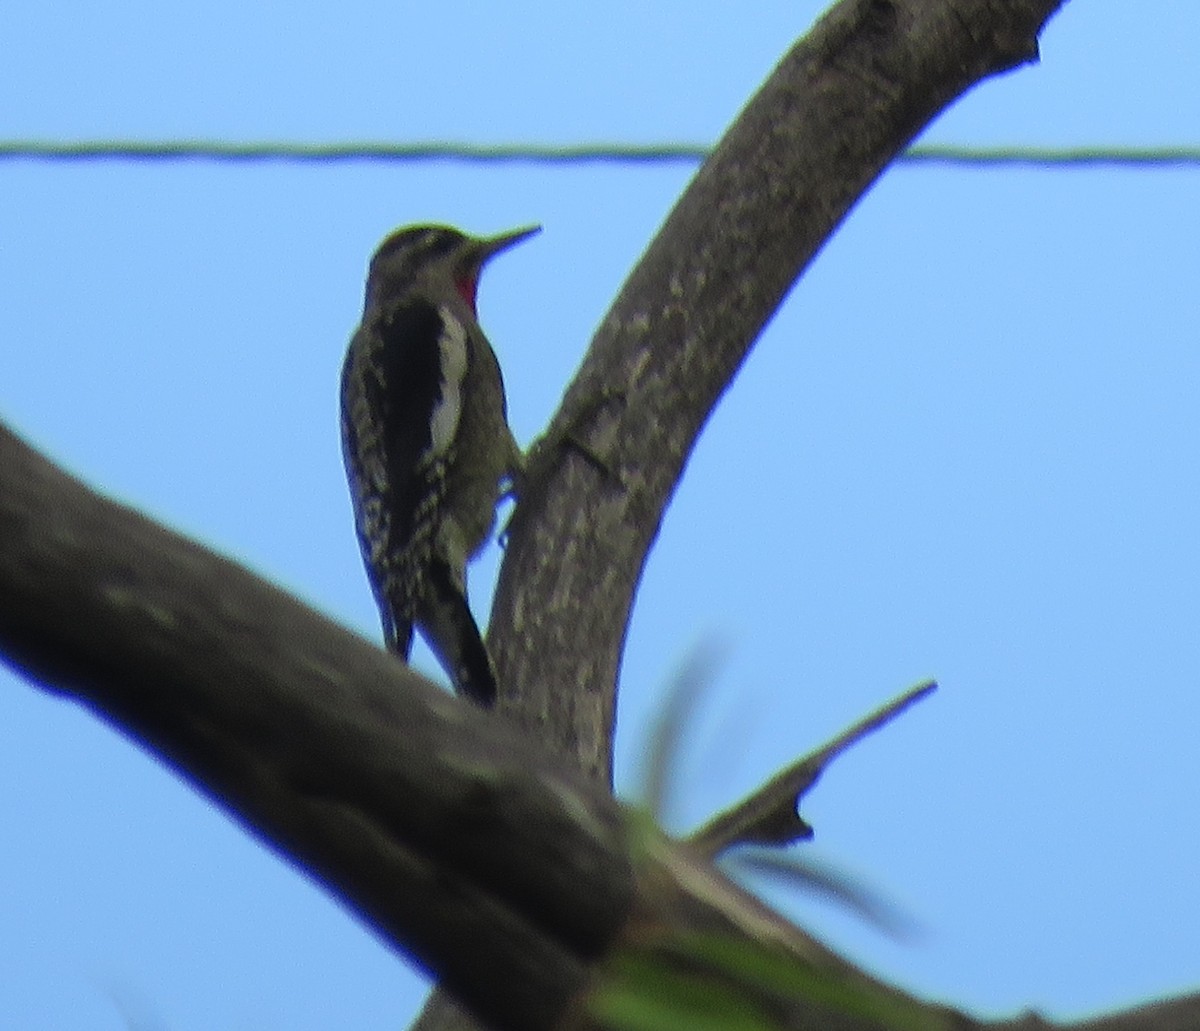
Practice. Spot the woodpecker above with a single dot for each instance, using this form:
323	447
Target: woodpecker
426	441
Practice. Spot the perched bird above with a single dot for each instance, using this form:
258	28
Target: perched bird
426	441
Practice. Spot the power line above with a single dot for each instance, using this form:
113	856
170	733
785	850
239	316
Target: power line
224	150
546	154
1055	157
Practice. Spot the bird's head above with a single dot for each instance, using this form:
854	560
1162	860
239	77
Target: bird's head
435	258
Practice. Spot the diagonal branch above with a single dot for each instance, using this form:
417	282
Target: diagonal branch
846	100
518	883
420	812
770	815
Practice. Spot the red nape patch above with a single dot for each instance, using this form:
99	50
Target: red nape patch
467	288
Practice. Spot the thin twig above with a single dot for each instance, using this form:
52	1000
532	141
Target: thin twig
769	816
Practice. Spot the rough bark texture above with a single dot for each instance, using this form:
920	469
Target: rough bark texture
518	882
844	101
422	813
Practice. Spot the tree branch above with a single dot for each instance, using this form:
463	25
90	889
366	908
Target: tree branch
845	101
507	874
770	816
520	884
422	813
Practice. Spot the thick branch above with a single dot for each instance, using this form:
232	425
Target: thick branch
840	106
422	813
519	885
443	826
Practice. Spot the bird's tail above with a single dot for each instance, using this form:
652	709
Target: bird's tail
454	638
397	633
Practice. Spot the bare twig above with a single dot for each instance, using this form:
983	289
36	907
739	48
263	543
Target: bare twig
769	816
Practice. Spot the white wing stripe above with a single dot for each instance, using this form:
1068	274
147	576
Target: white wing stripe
446	413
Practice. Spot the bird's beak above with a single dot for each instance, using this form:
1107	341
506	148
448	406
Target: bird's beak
493	245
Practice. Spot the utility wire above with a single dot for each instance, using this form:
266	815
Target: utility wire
222	150
584	153
1055	157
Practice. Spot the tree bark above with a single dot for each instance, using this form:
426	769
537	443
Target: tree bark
517	881
844	102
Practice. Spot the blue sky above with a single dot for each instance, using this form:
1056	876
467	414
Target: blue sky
965	448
